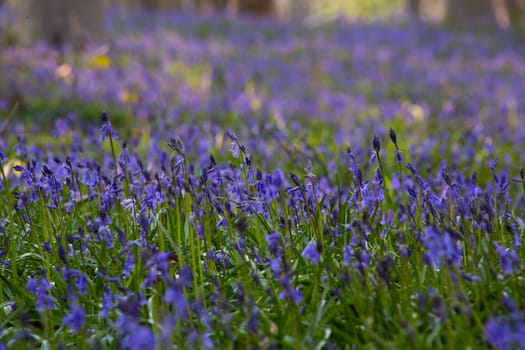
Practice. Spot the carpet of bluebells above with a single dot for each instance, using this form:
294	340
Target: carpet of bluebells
203	183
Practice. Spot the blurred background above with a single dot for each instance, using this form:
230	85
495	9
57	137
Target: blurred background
72	25
59	21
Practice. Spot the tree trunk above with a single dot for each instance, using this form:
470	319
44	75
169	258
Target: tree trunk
467	12
175	5
292	9
253	7
412	7
456	12
58	22
516	10
432	11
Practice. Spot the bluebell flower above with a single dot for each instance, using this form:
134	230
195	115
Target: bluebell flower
235	150
177	145
175	296
292	294
277	179
135	336
222	259
440	248
376	143
384	266
393	137
275	265
186	276
311	253
253	320
106	130
128	204
129	265
509	261
363	260
348	255
40	288
493	163
273	243
76	318
399	157
412	169
231	135
203	339
3	157
207	343
107	303
107	235
506	332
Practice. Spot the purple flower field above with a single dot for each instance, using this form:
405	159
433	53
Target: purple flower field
204	183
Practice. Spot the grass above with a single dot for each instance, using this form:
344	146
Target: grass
368	281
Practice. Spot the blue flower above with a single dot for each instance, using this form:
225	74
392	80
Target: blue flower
106	130
76	318
40	289
293	294
441	247
175	296
107	303
493	163
234	148
506	332
135	336
509	261
348	255
311	253
3	158
272	241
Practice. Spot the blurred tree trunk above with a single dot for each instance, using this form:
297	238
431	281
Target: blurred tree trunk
457	12
431	11
466	12
171	5
208	5
293	9
503	13
516	14
412	7
59	21
253	7
287	9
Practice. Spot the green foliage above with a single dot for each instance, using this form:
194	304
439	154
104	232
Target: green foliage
362	9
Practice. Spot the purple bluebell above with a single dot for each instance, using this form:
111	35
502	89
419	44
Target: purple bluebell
175	296
441	248
40	288
76	318
505	332
273	243
3	157
348	254
509	261
311	253
292	294
107	303
106	130
135	336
